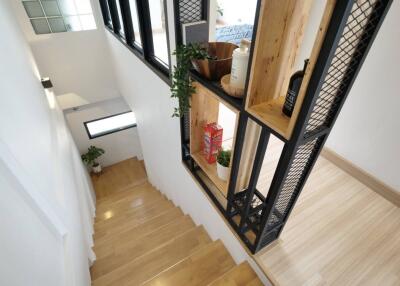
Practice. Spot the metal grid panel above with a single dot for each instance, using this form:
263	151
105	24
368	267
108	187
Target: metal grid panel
269	237
305	155
257	203
347	56
190	11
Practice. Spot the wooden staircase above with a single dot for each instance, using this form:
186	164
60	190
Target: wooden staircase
141	238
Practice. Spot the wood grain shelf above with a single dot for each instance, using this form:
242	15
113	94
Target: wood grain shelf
270	113
276	50
217	89
205	108
211	172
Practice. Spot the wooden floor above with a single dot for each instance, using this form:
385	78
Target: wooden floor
141	238
340	233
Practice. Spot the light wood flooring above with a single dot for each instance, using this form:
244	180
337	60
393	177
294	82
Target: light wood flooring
339	233
141	238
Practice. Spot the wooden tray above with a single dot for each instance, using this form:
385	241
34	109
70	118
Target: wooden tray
232	91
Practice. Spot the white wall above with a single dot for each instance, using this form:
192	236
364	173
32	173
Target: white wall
160	140
79	62
46	205
367	131
76	62
118	146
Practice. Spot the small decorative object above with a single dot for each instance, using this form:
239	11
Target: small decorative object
218	62
182	87
212	141
46	82
223	161
240	62
229	89
293	90
90	157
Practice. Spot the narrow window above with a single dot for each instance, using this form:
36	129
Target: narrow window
141	25
110	124
121	21
159	31
107	14
135	23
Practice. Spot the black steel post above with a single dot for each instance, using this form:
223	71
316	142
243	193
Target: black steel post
127	19
237	155
255	173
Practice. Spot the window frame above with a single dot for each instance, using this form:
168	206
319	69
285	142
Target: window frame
106	12
109	132
146	52
48	17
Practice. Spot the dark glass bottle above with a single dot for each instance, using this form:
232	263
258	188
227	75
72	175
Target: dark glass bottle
293	90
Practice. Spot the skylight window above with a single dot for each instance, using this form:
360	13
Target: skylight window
56	16
107	125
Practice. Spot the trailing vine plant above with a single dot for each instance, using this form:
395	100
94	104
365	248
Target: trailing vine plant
182	87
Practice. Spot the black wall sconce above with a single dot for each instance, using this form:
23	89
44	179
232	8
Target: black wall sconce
46	82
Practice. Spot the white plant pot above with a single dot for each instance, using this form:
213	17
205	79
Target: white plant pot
96	169
223	172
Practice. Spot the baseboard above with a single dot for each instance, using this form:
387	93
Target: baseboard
367	179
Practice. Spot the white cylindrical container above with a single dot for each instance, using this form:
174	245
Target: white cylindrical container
223	172
240	61
96	169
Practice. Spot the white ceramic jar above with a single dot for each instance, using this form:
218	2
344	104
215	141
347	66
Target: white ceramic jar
223	172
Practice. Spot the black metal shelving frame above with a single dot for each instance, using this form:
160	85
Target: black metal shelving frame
351	32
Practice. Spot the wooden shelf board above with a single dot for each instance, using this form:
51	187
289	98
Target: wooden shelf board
211	172
216	88
270	113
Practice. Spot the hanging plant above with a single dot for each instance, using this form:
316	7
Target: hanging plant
182	87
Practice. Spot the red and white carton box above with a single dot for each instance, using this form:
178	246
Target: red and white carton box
212	141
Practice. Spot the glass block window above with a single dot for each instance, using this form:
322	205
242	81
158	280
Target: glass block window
56	16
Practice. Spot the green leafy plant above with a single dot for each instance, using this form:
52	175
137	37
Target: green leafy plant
92	154
224	157
182	87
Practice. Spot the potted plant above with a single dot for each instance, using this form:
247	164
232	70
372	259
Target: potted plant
223	161
90	157
182	87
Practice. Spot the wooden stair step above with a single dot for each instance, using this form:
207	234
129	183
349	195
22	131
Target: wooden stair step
139	230
125	225
240	275
127	237
155	261
105	194
138	214
125	194
118	176
201	268
115	210
125	252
